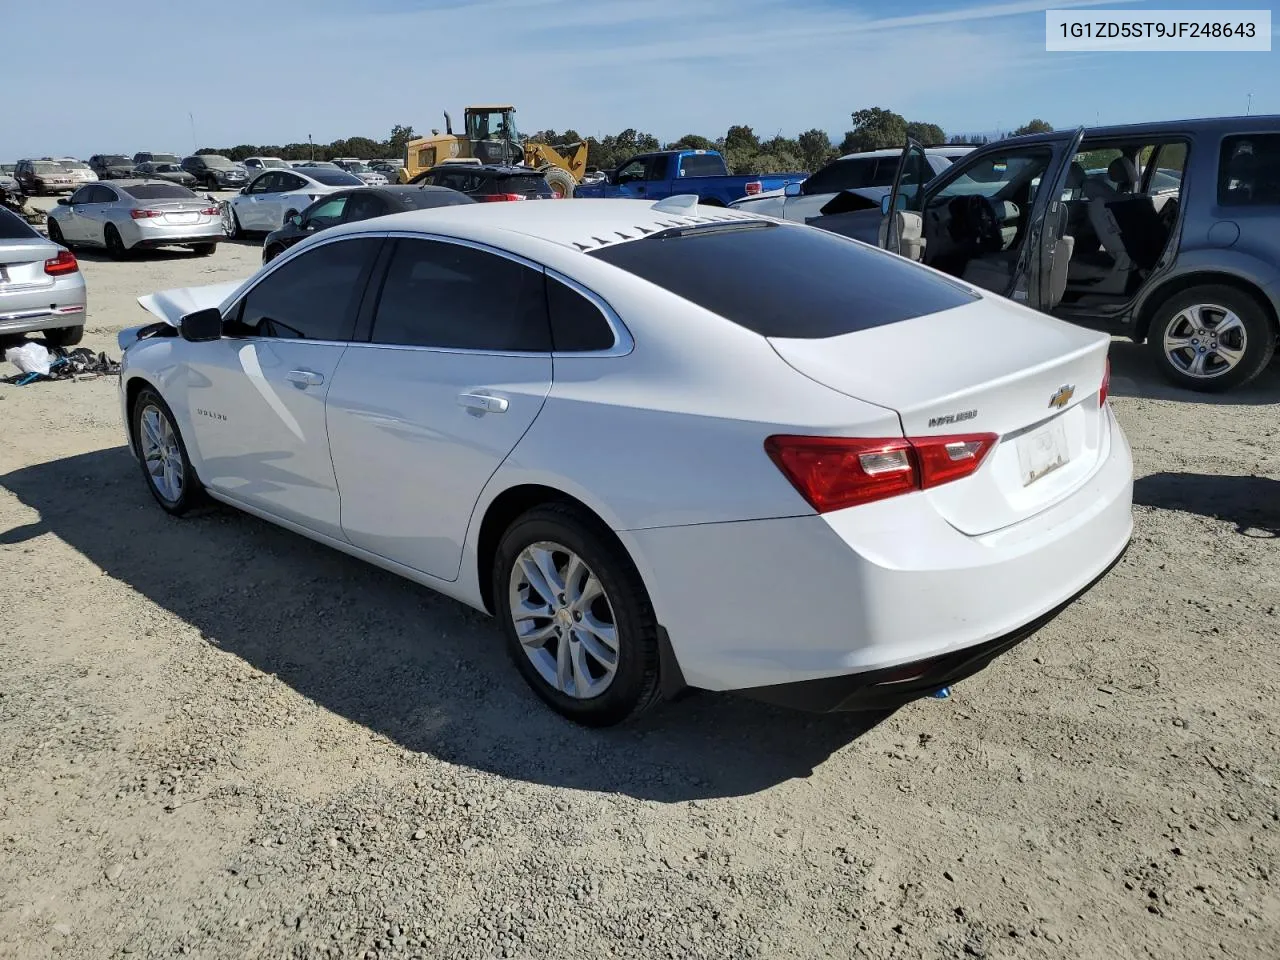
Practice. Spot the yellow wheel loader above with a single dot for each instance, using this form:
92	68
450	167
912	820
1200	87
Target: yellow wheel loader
491	137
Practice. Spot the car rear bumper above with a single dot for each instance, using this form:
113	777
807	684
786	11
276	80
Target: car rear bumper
765	603
62	304
147	235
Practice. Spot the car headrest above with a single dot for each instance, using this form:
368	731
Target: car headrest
1122	171
1075	175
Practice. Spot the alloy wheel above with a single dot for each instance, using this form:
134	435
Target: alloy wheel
161	453
564	620
1205	341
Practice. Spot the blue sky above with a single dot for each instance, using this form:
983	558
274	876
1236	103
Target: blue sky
111	77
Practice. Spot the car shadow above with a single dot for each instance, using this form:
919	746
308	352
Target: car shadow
427	673
1134	374
1252	504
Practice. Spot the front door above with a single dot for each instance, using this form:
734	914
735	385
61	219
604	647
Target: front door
254	209
74	225
633	176
256	398
907	193
457	368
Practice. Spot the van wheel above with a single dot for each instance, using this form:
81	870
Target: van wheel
1211	338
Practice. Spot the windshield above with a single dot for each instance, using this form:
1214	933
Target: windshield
273	162
117	161
217	162
157	191
166	168
333	178
163	158
48	167
355	166
73	165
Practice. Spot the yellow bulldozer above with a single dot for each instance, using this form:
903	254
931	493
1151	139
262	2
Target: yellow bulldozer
490	136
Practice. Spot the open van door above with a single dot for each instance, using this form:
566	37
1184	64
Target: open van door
901	223
1042	274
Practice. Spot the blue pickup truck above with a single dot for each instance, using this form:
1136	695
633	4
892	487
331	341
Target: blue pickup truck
656	176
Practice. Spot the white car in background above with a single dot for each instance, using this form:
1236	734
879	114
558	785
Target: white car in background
80	171
256	165
272	197
844	493
358	168
865	176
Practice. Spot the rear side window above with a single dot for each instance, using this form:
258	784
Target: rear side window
786	281
449	296
701	165
576	323
1249	170
158	191
311	297
13	227
847	175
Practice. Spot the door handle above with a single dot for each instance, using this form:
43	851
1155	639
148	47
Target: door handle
304	378
483	402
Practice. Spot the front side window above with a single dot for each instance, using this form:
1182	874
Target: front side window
1249	170
328	212
635	170
450	296
313	296
266	183
83	195
364	206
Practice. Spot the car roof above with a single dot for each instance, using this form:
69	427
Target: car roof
576	224
137	182
1250	124
494	169
897	152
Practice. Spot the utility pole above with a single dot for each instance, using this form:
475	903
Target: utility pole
1248	110
312	146
194	143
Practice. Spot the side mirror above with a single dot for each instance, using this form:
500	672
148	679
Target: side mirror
244	190
791	189
64	201
884	204
201	326
296	220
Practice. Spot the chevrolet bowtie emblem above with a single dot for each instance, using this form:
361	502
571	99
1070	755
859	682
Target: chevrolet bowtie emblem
1062	397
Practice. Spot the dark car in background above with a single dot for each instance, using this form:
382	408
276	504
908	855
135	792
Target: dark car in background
146	156
111	166
215	172
164	171
488	182
363	203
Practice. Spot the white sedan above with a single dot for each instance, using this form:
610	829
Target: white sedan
273	196
663	445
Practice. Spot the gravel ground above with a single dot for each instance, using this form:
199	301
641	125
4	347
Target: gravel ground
220	740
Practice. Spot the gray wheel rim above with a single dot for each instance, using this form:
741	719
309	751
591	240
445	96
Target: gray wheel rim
564	620
228	220
1205	341
161	453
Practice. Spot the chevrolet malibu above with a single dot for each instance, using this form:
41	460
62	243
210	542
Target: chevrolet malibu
128	215
665	446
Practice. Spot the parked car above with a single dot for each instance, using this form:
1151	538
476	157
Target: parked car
362	170
388	168
276	195
80	171
215	172
350	206
37	178
145	156
1172	240
652	176
488	182
255	165
41	287
112	166
876	435
164	171
8	182
859	180
122	216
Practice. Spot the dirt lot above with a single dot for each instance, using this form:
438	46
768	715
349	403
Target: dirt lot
220	740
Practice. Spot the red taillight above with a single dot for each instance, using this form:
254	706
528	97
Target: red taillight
492	197
64	262
832	473
210	212
145	214
1105	390
754	187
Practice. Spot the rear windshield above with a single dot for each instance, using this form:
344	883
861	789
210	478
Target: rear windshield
523	183
702	165
13	227
157	191
117	161
784	281
332	177
425	199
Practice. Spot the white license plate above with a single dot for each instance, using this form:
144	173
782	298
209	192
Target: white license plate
1042	451
181	217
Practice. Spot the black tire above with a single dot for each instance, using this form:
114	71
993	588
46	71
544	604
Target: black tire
192	492
204	249
64	336
116	249
635	684
55	234
1257	336
271	252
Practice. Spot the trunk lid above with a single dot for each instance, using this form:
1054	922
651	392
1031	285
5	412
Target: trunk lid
989	367
22	264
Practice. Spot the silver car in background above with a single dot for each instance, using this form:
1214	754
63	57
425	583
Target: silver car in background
80	171
127	215
358	168
41	286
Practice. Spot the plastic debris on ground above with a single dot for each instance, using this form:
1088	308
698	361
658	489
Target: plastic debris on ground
35	362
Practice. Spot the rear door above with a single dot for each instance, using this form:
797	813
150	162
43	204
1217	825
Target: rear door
457	367
1049	248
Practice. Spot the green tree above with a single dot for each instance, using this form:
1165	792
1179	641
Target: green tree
815	149
400	135
1035	126
926	133
692	141
741	138
874	128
